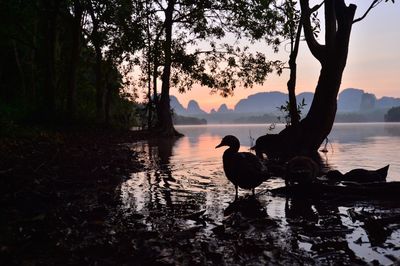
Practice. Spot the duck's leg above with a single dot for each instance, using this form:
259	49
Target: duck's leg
236	196
253	190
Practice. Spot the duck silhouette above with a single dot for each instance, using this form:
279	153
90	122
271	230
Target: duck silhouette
359	175
243	169
301	170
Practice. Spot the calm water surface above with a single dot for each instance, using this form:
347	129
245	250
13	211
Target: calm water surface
185	176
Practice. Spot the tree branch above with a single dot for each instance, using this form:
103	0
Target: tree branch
182	17
297	40
212	52
373	4
160	5
315	48
316	7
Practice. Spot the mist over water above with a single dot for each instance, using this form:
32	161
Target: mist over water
185	176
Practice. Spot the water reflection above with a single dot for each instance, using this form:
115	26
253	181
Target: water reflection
320	230
183	189
392	129
249	207
300	209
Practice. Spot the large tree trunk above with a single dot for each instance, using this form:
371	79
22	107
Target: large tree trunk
150	104
20	70
149	73
49	52
99	84
165	124
107	102
309	134
110	89
75	50
32	95
155	77
97	43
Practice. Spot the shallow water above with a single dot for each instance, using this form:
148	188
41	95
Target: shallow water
185	178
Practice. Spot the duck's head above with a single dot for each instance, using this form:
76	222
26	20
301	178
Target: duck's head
334	174
230	141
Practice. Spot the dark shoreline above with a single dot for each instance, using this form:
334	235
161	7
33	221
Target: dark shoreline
58	187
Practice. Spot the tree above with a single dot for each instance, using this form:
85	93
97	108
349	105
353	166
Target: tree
294	35
18	34
178	27
252	18
47	71
98	37
112	30
309	134
50	15
163	106
77	10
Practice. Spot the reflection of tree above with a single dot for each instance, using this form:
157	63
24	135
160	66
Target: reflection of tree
249	207
165	195
195	132
322	162
321	223
160	152
296	209
163	146
392	129
332	233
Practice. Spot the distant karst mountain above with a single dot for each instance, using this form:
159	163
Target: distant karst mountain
353	104
194	108
187	116
177	106
349	100
267	102
356	100
264	102
224	109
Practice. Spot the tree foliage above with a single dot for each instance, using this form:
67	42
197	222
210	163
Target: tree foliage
192	43
61	58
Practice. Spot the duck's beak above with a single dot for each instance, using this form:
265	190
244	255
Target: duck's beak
219	145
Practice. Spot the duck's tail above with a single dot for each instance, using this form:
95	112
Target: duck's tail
382	172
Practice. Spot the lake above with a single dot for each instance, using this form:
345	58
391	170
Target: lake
185	177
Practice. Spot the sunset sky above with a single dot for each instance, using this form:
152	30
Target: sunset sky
373	63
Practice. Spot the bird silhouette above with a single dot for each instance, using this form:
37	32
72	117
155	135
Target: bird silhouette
243	169
360	175
301	170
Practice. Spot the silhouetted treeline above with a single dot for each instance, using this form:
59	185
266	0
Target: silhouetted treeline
393	115
60	58
187	120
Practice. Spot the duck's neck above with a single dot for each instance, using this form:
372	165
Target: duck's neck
232	149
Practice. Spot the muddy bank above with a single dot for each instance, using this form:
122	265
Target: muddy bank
57	190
